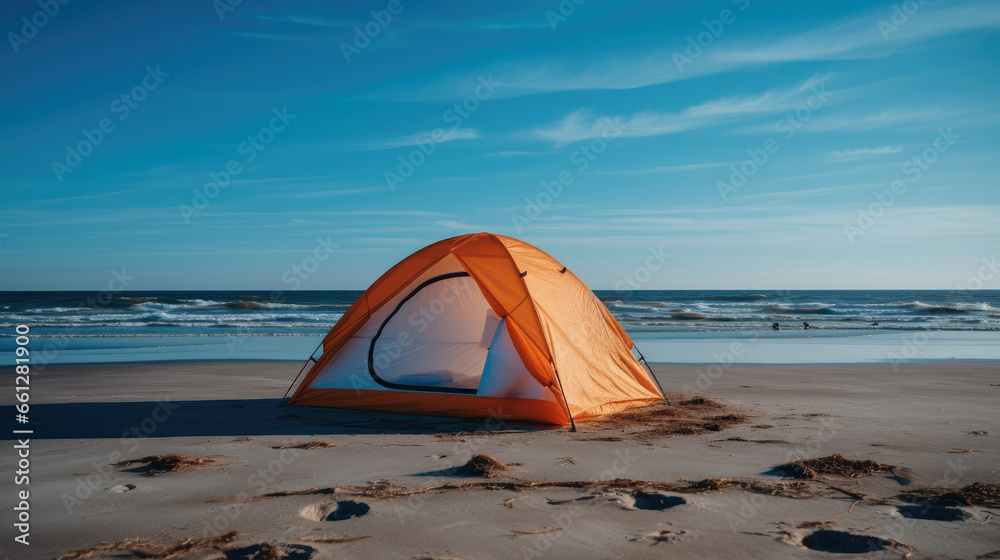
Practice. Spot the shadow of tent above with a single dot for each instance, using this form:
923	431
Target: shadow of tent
238	417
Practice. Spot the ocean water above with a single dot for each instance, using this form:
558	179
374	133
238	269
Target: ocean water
672	326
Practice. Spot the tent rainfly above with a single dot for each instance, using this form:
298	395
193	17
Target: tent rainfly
479	325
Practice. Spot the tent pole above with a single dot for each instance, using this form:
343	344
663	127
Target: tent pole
572	423
304	366
651	374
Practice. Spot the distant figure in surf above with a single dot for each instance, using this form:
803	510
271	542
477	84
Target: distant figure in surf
875	324
805	325
776	327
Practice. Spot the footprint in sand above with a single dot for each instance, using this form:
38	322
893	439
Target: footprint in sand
664	536
656	501
569	501
843	542
335	511
265	550
932	512
826	540
651	501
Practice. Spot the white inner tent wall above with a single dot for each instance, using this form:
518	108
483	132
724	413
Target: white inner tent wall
438	337
443	337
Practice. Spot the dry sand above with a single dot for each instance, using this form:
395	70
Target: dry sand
936	423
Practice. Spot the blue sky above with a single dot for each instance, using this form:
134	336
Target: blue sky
651	115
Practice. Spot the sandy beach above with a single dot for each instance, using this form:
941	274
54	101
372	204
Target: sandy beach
350	494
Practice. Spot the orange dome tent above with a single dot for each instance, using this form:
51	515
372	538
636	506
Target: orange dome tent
479	325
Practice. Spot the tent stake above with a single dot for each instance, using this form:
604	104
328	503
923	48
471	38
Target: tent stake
651	374
304	366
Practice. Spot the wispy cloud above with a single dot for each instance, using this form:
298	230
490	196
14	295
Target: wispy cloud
324	194
280	180
580	125
306	20
515	153
479	178
895	119
862	170
667	168
492	24
867	36
864	152
100	195
857	37
500	25
271	36
452	224
786	226
435	137
805	193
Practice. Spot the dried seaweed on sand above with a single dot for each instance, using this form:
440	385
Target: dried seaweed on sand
536	532
334	540
391	491
695	415
156	464
485	466
699	401
145	548
978	493
306	445
833	464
